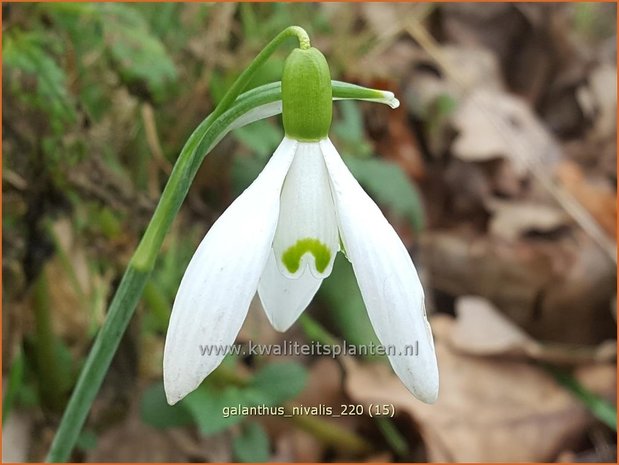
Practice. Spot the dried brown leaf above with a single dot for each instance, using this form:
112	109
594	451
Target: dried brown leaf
493	125
489	410
481	329
557	291
511	220
598	198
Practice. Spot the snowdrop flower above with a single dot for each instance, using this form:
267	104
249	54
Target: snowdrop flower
280	238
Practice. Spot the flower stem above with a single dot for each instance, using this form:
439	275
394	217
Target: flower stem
128	294
392	435
242	81
316	332
45	349
97	363
141	264
207	134
14	383
177	186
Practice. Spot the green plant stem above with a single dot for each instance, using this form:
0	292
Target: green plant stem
265	53
392	435
141	265
45	348
136	276
97	363
15	379
187	164
128	294
316	332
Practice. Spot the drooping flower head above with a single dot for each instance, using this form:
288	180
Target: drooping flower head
280	238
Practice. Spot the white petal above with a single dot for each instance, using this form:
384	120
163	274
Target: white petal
283	298
221	279
387	279
307	235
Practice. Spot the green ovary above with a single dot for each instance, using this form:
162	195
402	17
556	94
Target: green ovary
292	256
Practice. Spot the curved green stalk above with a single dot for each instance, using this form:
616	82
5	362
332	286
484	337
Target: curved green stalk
138	271
242	81
166	210
50	383
129	292
198	146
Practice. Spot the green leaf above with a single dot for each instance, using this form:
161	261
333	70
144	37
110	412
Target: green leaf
350	130
141	59
271	386
348	313
206	405
389	186
261	137
66	365
156	412
32	54
278	382
437	112
252	445
244	171
13	385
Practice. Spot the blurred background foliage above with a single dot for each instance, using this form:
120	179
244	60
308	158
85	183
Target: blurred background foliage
98	99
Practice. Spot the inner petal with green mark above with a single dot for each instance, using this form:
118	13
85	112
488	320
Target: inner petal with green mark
307	236
293	255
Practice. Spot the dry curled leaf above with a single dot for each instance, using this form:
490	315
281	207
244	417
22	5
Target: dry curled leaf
598	99
494	124
481	329
511	220
557	291
488	410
